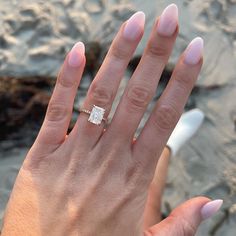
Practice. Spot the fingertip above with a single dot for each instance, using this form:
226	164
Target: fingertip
76	55
194	52
168	21
134	27
211	208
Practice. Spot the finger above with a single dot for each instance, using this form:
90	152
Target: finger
58	116
152	214
142	86
170	105
186	218
105	85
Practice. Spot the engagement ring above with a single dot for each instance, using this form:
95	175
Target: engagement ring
96	116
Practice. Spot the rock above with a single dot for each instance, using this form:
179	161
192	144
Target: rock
42	52
94	6
22	101
123	12
11	24
93	53
31	11
3	59
3	42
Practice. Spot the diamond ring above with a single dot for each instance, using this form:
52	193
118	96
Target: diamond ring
96	116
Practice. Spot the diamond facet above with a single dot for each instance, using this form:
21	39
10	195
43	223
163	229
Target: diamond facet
96	115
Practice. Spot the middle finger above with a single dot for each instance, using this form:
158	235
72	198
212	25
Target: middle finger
142	86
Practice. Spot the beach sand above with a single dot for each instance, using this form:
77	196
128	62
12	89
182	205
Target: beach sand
35	36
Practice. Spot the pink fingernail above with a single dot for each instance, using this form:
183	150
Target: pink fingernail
168	21
210	209
134	26
194	51
76	54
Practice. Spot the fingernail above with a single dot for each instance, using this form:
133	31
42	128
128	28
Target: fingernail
210	209
134	26
76	54
168	21
194	51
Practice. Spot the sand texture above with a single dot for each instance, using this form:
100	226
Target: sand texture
35	36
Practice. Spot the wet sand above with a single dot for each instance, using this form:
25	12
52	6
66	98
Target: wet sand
35	36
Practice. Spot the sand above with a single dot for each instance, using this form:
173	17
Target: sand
35	35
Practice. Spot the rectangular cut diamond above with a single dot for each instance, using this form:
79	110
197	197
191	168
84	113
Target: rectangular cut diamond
96	115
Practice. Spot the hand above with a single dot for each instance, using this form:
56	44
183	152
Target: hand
97	183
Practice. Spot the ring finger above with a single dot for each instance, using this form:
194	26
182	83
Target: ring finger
103	89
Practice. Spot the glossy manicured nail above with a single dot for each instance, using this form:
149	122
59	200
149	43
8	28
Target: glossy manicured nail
168	21
194	51
210	209
76	55
134	26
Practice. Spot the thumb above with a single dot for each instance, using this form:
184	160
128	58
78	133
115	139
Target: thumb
185	219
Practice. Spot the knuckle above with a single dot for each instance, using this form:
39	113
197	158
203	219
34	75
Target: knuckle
56	111
100	95
184	79
183	226
65	80
138	97
165	117
118	53
158	50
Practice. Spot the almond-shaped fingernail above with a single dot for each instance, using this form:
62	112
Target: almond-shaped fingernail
194	51
134	26
76	55
210	209
168	21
